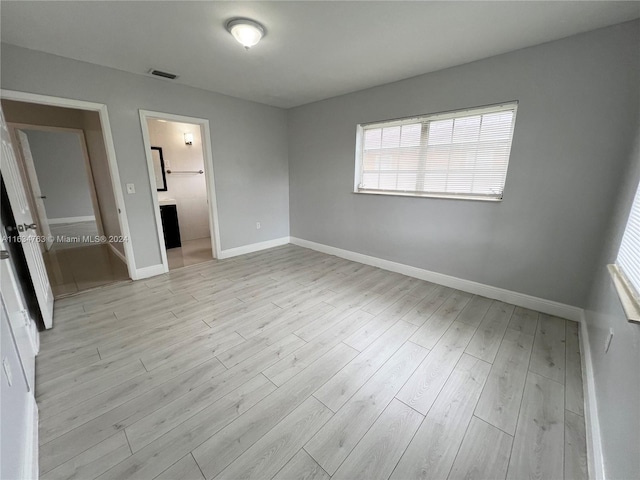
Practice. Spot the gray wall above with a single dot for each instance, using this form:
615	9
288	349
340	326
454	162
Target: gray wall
616	373
578	99
62	173
249	143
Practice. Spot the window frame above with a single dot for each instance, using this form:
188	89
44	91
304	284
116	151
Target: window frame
359	153
628	293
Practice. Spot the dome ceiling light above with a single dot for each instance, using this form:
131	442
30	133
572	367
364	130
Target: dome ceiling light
247	32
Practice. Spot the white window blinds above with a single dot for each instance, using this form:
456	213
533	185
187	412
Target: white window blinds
628	260
457	154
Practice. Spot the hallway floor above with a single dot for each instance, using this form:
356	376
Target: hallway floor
191	253
72	270
75	231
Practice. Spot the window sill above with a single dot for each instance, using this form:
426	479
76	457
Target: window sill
478	198
629	303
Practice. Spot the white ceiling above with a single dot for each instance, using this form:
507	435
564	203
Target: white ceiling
312	51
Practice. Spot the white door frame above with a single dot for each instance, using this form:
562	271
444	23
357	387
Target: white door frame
101	108
85	156
214	228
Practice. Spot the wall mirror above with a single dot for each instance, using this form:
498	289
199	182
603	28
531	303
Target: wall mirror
158	168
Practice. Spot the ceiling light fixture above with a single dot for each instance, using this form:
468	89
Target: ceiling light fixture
247	32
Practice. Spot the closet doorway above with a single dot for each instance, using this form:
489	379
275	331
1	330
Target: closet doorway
178	151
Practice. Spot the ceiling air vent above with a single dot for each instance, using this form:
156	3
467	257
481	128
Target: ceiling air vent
160	73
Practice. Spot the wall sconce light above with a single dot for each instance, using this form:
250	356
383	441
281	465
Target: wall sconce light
188	138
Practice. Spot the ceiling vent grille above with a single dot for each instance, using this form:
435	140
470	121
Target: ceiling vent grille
160	73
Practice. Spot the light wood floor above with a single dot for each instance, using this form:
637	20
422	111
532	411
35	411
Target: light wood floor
191	252
73	270
73	235
293	364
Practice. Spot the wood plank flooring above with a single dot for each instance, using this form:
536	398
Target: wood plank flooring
292	364
76	267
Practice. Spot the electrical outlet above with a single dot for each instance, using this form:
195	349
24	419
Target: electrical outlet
131	188
258	225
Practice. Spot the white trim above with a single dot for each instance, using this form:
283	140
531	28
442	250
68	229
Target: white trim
154	189
117	252
56	221
253	247
117	189
626	293
49	100
497	107
214	226
205	133
595	459
30	467
452	196
515	298
111	154
152	271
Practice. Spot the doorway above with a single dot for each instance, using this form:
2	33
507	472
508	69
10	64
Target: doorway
60	180
181	175
66	173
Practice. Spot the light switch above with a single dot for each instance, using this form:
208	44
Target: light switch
131	188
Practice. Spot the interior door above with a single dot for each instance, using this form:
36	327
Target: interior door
26	226
25	333
17	407
38	196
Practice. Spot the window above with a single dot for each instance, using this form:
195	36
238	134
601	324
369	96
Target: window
461	154
626	271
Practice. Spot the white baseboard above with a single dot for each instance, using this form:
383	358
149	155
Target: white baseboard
117	252
254	247
515	298
592	424
30	468
55	221
152	271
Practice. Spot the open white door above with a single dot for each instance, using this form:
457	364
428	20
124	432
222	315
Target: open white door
26	226
19	425
24	329
32	176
